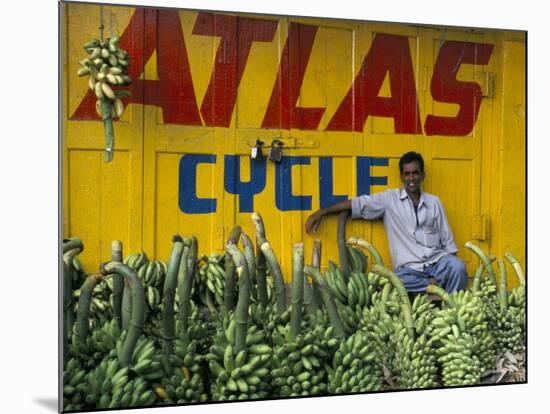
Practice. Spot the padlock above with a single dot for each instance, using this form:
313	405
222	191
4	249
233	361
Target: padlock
276	151
256	153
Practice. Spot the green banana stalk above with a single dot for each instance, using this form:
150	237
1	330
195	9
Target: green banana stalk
118	282
82	324
502	294
315	262
477	278
169	293
138	308
402	294
328	300
68	306
297	290
341	240
185	281
251	262
517	267
260	260
355	241
241	311
278	282
72	243
438	291
230	281
484	259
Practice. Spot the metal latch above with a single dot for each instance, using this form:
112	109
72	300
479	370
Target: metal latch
480	227
291	143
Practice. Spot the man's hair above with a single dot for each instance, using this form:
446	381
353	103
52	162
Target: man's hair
410	157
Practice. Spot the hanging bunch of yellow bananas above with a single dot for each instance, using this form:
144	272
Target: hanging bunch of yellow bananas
107	66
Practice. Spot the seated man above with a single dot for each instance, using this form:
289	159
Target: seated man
422	246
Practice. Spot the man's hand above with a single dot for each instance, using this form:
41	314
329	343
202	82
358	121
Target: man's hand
313	221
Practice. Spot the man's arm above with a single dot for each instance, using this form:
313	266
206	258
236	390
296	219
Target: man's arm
313	221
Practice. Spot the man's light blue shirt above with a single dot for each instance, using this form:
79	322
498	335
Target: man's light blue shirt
411	244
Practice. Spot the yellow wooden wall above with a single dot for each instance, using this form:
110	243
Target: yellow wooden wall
480	177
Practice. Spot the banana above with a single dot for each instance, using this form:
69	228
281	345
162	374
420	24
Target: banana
119	107
107	91
98	89
228	361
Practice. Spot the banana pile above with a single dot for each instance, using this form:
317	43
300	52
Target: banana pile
299	365
355	366
365	335
239	376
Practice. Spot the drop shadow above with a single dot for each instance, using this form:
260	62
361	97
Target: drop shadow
49	403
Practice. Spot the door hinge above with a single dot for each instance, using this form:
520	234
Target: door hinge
480	227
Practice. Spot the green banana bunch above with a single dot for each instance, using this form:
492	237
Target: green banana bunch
378	326
106	66
299	365
101	309
355	366
107	385
199	329
105	338
241	376
414	364
211	276
516	296
337	282
152	276
74	385
509	332
152	273
350	318
136	260
456	353
375	283
184	382
357	259
423	311
467	311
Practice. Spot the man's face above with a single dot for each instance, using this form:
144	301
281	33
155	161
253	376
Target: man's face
412	177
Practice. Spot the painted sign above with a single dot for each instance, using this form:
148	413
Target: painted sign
284	199
389	56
